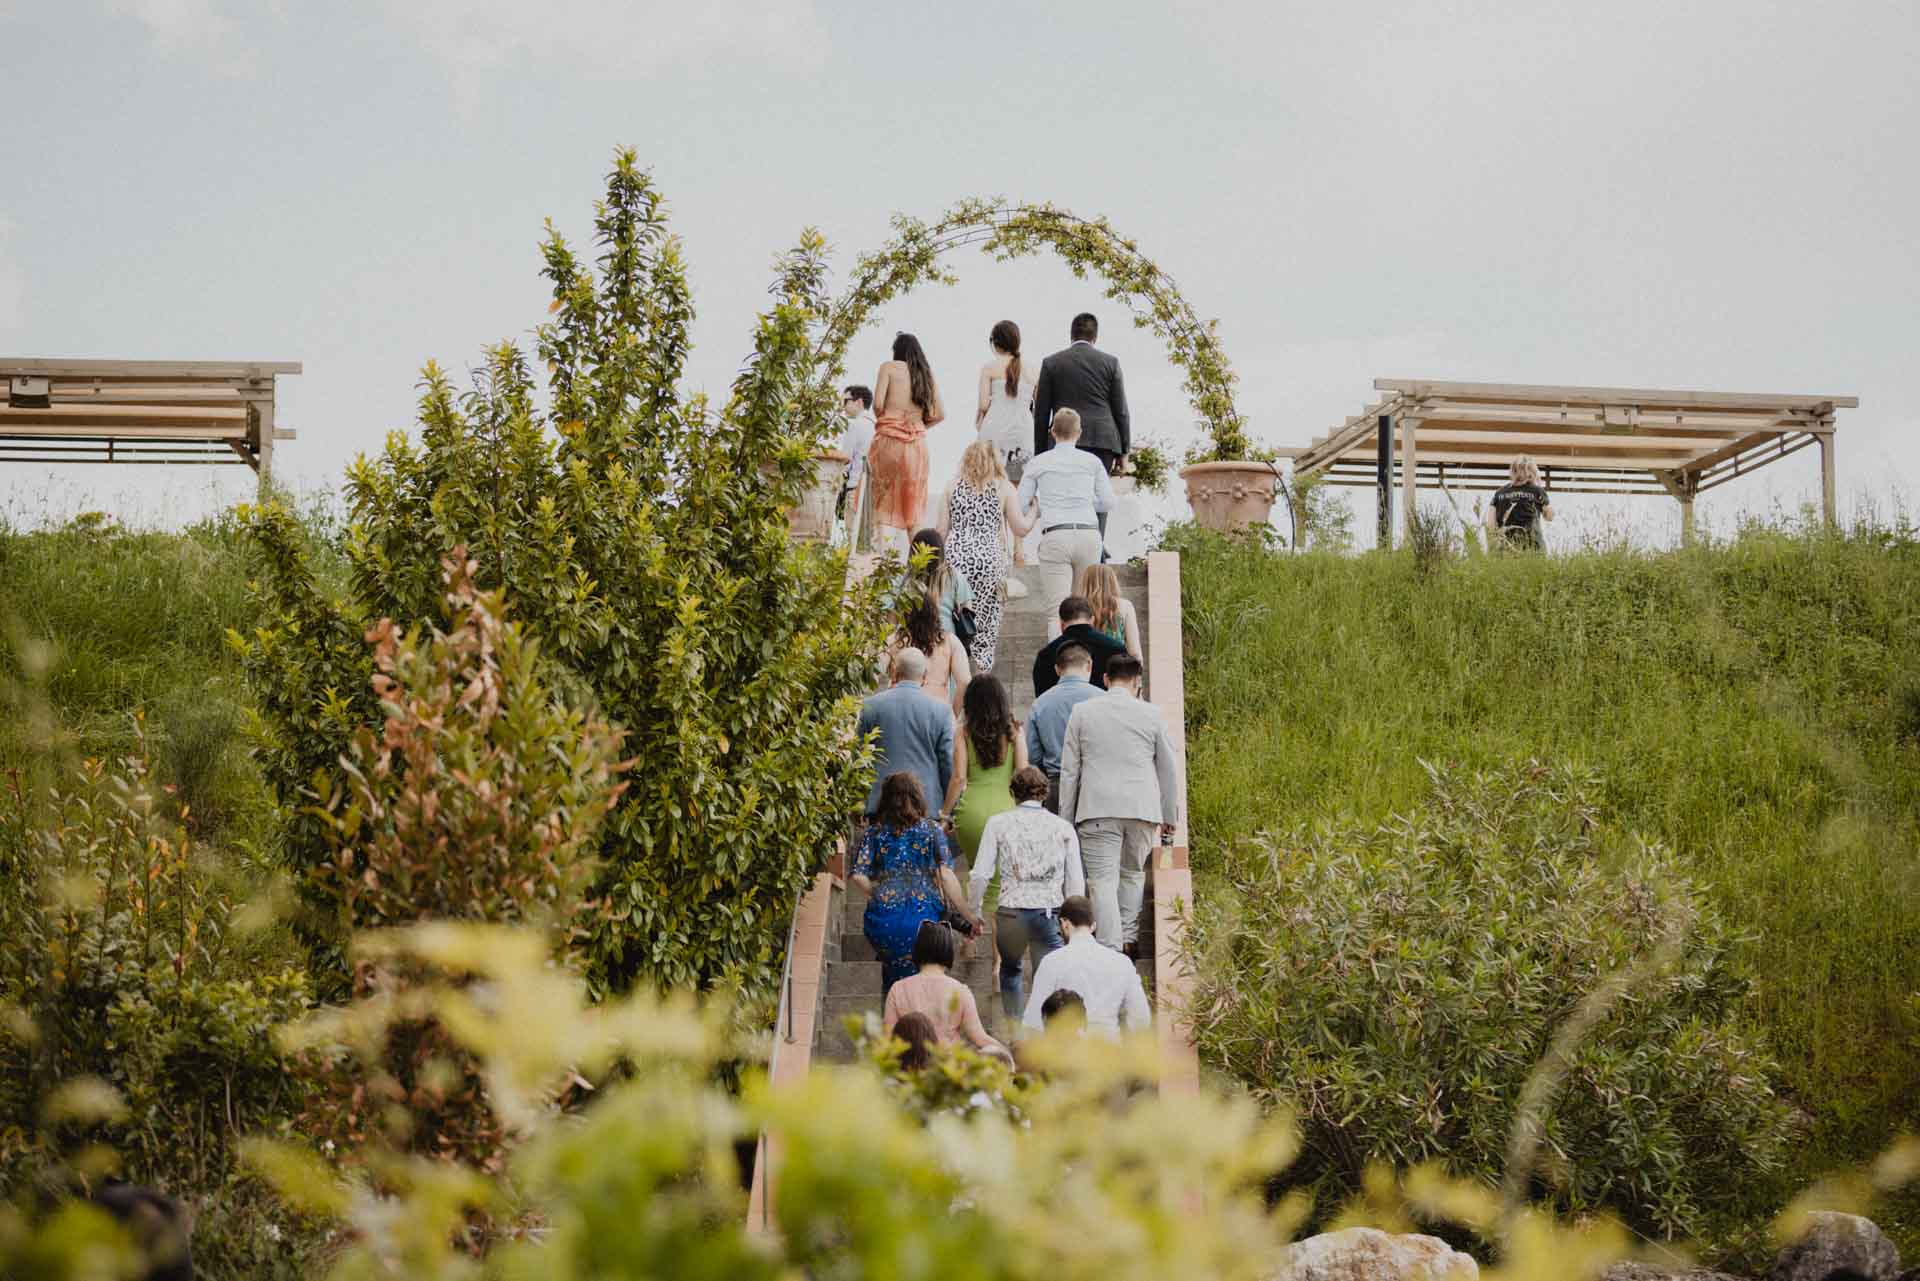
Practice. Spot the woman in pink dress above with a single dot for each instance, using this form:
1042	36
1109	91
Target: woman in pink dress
906	402
943	999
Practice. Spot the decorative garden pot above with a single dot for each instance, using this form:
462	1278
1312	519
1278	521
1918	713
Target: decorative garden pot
1230	496
811	519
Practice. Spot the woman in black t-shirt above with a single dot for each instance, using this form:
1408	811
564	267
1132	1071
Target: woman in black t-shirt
1521	508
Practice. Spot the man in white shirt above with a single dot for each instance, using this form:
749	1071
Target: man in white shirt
1037	856
856	439
1104	978
1072	490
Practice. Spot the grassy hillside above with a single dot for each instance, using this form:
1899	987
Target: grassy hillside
1756	705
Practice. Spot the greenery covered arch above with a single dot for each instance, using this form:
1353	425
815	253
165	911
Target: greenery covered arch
1007	231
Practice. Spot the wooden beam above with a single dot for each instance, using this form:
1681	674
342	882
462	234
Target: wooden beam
1589	459
1770	450
1409	470
129	431
170	370
1826	480
180	416
1508	439
1644	397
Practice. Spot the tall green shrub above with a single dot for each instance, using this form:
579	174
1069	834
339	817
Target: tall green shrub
642	535
1397	986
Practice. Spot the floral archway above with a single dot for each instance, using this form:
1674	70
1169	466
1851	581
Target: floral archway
1087	245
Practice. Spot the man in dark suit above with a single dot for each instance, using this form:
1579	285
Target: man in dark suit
1085	379
1076	628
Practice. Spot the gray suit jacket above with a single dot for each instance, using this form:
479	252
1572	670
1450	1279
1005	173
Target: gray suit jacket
916	735
1117	762
1087	380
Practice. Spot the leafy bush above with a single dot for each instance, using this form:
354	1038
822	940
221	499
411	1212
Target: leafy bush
479	799
643	1182
1397	986
643	537
959	1082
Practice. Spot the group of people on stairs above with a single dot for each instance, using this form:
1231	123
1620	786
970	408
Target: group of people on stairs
1063	812
1074	415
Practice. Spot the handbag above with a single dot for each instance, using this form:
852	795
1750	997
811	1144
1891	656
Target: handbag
965	625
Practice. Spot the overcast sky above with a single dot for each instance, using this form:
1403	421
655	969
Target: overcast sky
1714	195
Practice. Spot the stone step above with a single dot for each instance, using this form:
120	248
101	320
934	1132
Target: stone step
863	978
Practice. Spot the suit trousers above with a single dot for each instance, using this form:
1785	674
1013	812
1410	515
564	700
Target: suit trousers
1063	555
1115	853
1107	459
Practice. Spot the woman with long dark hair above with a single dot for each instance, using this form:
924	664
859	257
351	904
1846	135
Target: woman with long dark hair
987	748
906	402
906	869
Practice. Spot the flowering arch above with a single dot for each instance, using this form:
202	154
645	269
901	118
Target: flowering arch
1007	231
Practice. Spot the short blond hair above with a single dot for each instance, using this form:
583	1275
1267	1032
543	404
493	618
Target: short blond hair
1066	424
1523	471
981	467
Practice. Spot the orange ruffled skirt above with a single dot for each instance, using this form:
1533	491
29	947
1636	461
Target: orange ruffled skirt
897	467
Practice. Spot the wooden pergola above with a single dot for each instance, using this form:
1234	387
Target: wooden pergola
141	411
1587	440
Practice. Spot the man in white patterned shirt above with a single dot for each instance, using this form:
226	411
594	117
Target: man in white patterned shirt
1037	854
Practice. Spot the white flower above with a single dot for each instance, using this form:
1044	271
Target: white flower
979	1099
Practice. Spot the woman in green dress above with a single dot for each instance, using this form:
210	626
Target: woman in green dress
988	748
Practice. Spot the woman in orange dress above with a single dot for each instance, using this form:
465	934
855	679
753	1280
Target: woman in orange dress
906	402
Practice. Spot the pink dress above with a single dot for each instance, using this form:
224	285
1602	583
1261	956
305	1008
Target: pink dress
945	1000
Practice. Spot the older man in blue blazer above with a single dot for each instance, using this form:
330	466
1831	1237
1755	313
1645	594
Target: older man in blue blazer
916	731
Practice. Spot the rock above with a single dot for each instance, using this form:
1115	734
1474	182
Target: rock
1837	1243
1368	1254
1648	1272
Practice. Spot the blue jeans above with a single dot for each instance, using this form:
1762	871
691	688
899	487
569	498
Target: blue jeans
1018	931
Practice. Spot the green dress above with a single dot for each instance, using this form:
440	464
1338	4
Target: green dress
989	792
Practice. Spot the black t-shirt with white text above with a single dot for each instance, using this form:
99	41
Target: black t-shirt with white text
1517	509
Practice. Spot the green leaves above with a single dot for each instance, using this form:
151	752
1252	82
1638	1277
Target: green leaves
1399	985
641	536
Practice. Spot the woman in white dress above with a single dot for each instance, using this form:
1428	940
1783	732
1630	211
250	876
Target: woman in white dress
1005	416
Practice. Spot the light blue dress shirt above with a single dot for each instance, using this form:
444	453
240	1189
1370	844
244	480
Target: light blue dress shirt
1047	721
1071	485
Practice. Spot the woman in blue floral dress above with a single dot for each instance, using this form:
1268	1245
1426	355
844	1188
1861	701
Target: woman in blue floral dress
904	865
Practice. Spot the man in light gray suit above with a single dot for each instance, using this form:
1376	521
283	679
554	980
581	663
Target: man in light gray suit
916	732
1120	787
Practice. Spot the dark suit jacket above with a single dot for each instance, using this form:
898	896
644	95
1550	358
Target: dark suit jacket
1085	379
1099	644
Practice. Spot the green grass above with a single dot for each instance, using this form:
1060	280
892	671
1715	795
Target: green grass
1754	704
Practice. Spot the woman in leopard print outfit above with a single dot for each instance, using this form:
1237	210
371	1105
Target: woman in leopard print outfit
976	514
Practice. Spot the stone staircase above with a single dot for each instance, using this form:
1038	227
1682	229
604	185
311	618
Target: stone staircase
851	975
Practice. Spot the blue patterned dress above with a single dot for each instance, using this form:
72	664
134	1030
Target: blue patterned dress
904	867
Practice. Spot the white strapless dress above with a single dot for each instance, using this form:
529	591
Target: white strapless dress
1009	420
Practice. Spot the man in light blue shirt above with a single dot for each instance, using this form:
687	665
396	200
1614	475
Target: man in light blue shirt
1072	489
1047	721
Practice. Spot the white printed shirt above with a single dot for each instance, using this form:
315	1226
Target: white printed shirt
1037	855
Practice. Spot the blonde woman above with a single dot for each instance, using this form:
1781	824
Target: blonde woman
976	513
1113	613
1521	508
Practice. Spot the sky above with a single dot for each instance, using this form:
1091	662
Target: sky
1688	193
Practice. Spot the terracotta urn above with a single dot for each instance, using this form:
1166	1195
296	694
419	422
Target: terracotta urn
1231	496
811	519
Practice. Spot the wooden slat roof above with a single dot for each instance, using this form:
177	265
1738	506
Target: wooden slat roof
140	411
1614	439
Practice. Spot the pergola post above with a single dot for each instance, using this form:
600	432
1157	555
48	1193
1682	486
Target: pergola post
1384	481
1826	472
1686	520
263	444
1409	472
